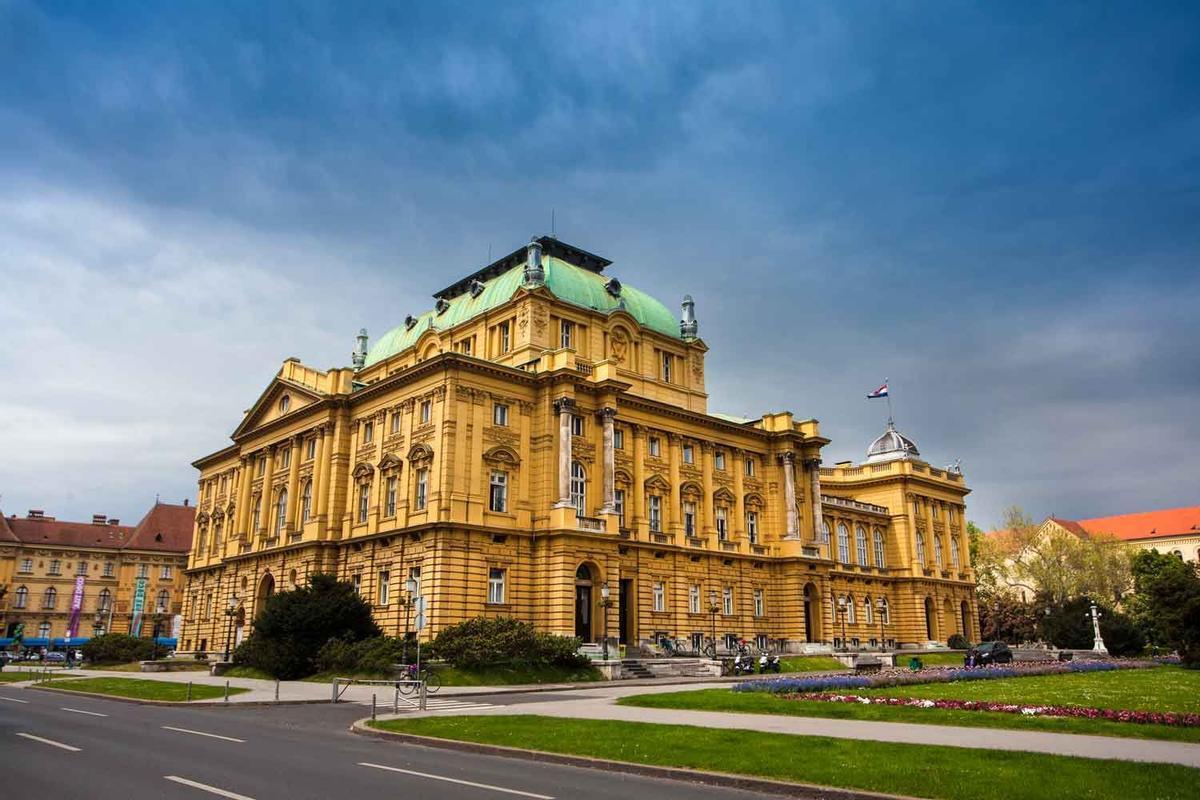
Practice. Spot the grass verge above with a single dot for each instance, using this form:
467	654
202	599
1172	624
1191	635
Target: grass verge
932	659
495	676
143	689
247	672
810	664
136	666
757	703
920	770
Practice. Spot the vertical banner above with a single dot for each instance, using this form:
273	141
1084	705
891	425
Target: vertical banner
139	601
76	606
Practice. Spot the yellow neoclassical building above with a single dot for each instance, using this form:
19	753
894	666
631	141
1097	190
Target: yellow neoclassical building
539	445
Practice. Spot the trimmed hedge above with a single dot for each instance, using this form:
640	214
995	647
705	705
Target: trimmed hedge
482	642
119	648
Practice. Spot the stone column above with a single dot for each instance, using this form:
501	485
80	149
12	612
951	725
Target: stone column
264	518
789	494
708	513
610	462
320	475
674	498
246	476
293	487
637	499
813	465
565	407
738	523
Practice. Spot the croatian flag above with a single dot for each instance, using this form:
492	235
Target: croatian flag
882	391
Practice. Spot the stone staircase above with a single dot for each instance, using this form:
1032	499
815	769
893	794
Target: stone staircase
633	668
670	668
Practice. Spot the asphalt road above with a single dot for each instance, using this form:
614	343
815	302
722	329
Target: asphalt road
57	745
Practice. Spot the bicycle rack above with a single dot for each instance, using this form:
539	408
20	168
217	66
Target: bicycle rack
418	702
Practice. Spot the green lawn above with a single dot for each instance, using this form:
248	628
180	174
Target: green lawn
247	672
810	664
761	703
136	666
1158	689
919	770
932	659
143	689
12	676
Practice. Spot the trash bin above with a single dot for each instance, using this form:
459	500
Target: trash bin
914	664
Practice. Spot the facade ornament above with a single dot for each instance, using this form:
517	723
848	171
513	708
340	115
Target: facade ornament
359	356
410	322
613	287
476	287
689	328
534	275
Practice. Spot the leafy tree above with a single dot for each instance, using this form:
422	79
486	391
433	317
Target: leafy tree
292	627
1069	625
1167	603
1004	616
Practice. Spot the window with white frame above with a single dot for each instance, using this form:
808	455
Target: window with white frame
655	446
825	531
285	458
143	570
752	526
164	574
654	504
27	565
880	561
306	502
566	334
500	414
364	501
498	492
414	575
107	572
689	518
576	425
860	544
618	439
162	602
389	497
660	596
395	421
749	467
44	630
727	601
578	488
422	495
666	367
954	551
868	611
937	550
281	512
256	514
104	600
368	432
933	509
55	567
22	597
885	611
49	598
384	589
719	460
759	606
843	543
310	448
496	586
694	599
619	502
356	582
921	548
851	614
689	454
426	411
950	513
722	517
505	338
81	568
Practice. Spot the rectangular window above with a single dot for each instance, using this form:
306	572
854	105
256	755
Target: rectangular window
262	466
567	331
426	411
950	513
655	447
56	567
694	599
422	488
285	458
108	569
722	523
414	575
81	568
752	526
618	439
496	586
660	596
727	601
143	571
689	518
464	347
310	449
921	548
749	467
395	422
368	432
498	496
27	566
505	340
758	603
954	551
666	367
916	508
719	460
933	509
356	582
383	587
689	454
655	504
389	506
619	501
364	501
576	425
165	573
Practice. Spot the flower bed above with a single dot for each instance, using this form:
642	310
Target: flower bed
899	677
1113	714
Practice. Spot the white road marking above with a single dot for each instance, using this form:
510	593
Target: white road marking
456	780
50	742
204	787
14	700
202	733
81	711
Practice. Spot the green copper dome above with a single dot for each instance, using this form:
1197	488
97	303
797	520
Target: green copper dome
566	281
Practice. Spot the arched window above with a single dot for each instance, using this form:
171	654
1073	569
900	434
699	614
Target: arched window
843	544
217	525
885	611
281	512
825	531
22	597
860	545
164	600
50	598
285	403
1177	554
880	561
937	550
954	551
868	610
920	548
104	601
578	488
851	615
201	537
256	514
306	502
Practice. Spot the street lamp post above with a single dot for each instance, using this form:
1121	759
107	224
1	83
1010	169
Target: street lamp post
881	607
1098	641
712	611
841	607
411	587
230	612
605	602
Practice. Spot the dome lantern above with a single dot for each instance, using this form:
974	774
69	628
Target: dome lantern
892	445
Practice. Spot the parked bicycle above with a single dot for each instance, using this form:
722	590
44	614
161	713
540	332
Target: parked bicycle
411	674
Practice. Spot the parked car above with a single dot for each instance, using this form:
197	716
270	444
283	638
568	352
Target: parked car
986	653
56	657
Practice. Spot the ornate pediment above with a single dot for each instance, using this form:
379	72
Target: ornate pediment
723	495
658	483
281	398
362	471
420	452
501	455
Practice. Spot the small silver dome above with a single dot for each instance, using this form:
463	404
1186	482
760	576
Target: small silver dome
891	445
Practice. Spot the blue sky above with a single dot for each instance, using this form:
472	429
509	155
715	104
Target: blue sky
995	206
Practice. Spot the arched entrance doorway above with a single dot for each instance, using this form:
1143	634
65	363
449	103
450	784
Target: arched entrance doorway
949	623
965	613
929	624
266	588
812	605
583	602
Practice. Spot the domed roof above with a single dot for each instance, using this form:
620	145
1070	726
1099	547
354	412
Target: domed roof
891	445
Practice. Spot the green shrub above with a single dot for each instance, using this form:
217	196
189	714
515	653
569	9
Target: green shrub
958	642
118	648
481	642
376	655
1070	626
293	627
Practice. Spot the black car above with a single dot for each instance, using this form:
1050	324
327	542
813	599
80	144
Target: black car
986	653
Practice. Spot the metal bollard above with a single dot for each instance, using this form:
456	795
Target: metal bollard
334	697
372	706
422	706
226	691
396	700
276	690
189	692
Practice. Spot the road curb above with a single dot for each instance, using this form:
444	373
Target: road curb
137	701
805	791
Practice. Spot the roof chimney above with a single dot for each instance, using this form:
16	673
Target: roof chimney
359	356
99	519
114	522
534	274
185	502
36	513
689	328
